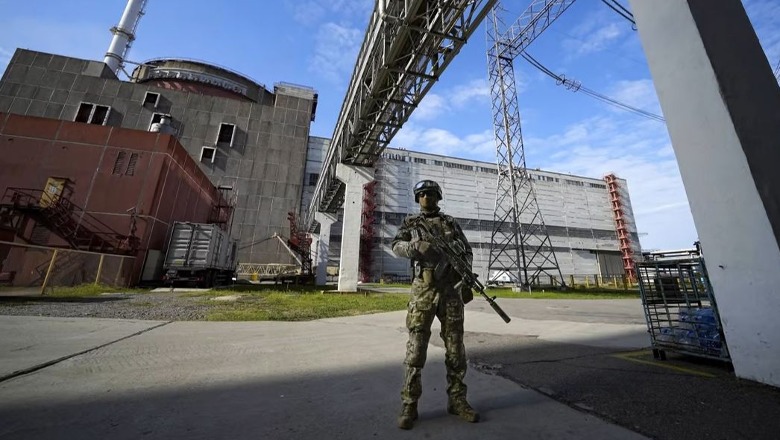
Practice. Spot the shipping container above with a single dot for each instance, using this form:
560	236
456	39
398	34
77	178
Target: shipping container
201	254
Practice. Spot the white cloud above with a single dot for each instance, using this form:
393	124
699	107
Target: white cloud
477	146
637	150
335	52
595	34
640	94
457	97
474	90
312	11
308	13
431	106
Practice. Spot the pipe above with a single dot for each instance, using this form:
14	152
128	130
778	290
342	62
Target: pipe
124	34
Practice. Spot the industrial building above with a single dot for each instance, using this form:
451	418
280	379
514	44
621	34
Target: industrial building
590	221
716	90
98	189
249	141
255	144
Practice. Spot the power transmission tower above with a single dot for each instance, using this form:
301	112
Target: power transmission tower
520	245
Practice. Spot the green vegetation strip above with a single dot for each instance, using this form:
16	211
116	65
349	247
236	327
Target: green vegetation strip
288	306
304	303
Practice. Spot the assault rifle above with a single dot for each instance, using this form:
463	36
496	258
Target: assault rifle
454	253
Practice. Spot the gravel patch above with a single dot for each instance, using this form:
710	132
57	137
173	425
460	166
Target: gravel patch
152	306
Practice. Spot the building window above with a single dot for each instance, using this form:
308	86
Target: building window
207	154
420	160
226	134
313	177
92	113
151	99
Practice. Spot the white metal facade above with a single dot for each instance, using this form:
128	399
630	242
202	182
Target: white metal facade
577	210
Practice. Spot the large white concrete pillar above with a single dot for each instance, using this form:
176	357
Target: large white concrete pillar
323	245
722	109
354	178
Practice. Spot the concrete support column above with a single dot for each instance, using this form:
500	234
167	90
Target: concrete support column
323	245
722	109
354	178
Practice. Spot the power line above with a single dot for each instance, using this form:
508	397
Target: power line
622	11
576	86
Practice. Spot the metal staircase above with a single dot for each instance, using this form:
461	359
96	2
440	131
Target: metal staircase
74	225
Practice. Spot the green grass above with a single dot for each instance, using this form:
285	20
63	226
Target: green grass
304	303
289	306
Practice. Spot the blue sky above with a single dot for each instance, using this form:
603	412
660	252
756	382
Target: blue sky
315	43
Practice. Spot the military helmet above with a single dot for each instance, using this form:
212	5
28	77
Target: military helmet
425	186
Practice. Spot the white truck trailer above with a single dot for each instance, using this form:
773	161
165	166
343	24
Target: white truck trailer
200	254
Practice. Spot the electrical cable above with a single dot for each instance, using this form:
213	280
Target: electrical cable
576	86
616	3
622	11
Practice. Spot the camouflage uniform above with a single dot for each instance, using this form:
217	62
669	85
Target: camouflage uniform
433	294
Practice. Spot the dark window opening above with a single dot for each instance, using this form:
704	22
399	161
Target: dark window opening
84	111
151	98
99	115
313	177
208	154
92	113
226	132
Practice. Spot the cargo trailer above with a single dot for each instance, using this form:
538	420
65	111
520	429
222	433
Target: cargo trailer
201	254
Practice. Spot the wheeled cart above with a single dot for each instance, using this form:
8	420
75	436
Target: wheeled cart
680	309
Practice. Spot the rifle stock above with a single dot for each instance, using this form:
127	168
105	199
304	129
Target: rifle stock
462	267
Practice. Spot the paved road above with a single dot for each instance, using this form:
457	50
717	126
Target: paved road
553	372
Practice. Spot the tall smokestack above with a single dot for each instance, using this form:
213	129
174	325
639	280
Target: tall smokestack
124	34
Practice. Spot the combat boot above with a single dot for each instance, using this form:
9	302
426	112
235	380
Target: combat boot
460	407
408	416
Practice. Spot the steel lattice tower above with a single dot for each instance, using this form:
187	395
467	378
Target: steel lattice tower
520	244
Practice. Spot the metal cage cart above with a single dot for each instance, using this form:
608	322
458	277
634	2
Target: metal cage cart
680	310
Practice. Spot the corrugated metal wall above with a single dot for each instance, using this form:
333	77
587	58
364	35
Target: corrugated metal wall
576	210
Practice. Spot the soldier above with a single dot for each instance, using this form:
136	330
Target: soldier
435	292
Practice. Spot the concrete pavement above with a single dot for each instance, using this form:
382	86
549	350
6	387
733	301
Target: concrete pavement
333	378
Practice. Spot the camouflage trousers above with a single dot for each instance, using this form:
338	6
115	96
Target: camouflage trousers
447	306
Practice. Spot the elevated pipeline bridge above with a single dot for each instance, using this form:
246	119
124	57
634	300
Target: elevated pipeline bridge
408	44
